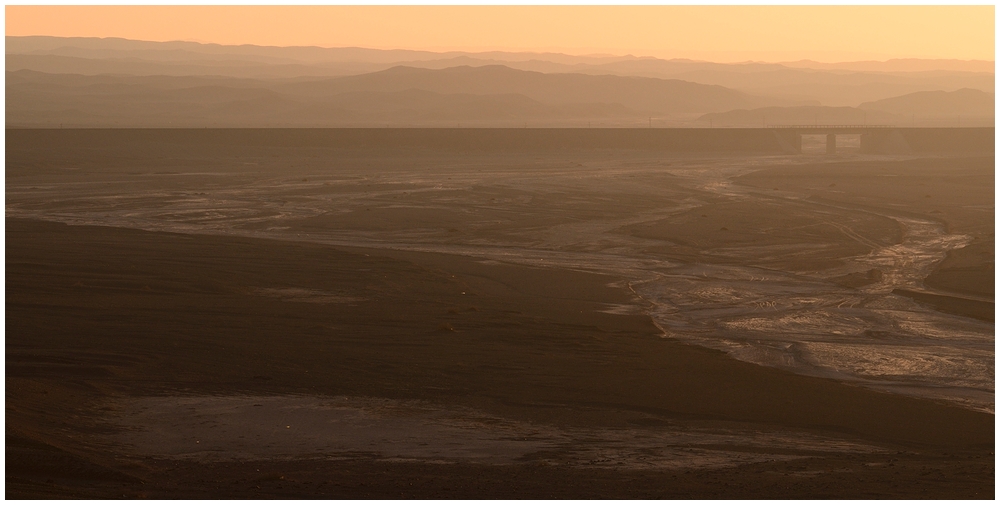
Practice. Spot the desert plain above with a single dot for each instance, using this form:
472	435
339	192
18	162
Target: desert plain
203	313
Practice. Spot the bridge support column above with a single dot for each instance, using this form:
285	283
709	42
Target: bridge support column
831	143
790	141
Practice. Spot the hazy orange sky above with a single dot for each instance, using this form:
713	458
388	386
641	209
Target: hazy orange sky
717	33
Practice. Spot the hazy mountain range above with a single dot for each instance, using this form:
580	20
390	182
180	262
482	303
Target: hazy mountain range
964	107
89	81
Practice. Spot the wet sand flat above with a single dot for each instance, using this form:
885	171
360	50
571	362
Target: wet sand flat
958	191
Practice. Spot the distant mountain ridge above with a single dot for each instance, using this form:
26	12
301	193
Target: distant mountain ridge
803	82
643	94
925	108
900	65
962	102
52	80
118	47
40	99
311	54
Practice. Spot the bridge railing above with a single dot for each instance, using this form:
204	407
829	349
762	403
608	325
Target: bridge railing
828	126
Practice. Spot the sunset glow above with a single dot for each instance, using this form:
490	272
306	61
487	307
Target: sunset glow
717	33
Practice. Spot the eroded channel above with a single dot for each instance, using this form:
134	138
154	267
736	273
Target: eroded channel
572	215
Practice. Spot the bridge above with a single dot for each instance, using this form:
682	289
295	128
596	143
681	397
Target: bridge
874	138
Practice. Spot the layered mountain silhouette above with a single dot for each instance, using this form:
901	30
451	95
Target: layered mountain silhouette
641	94
92	81
966	107
396	95
971	103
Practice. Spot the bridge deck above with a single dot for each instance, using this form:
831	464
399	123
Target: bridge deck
826	129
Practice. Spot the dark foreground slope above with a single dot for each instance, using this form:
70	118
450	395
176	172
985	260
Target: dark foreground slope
98	317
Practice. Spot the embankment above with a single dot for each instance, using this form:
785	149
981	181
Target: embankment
679	140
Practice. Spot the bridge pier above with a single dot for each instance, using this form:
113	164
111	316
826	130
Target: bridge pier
882	139
790	140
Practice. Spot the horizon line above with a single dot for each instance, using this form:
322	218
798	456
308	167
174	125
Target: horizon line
510	51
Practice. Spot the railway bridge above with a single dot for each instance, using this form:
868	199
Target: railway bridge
874	138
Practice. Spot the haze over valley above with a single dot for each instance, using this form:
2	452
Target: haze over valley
292	265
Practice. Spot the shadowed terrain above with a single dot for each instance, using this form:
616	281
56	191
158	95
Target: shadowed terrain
294	313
